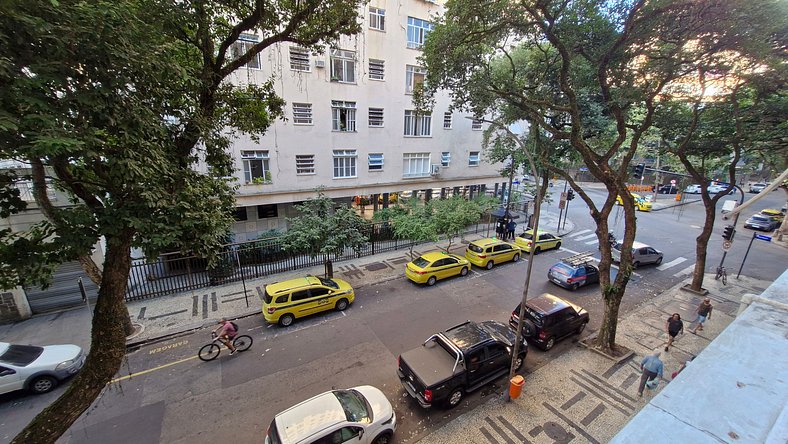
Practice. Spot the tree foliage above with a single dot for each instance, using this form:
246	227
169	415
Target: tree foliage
415	222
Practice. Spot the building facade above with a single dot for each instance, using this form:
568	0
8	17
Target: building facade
351	126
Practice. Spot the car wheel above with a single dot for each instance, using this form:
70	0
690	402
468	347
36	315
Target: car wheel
528	328
581	328
286	320
383	438
464	271
558	246
516	258
454	398
575	286
518	364
431	281
659	261
489	265
341	304
43	384
635	265
550	343
537	250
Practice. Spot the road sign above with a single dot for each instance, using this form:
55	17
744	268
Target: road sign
726	245
673	182
763	237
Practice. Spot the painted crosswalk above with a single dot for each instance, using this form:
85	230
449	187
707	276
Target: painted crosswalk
671	264
593	242
686	271
582	238
578	233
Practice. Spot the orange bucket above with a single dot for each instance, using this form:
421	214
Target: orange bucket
516	386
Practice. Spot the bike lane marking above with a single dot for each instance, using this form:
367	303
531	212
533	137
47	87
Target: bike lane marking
140	373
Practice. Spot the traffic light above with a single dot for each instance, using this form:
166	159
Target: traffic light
728	233
637	170
570	194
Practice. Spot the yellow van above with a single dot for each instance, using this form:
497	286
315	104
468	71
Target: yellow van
286	301
489	252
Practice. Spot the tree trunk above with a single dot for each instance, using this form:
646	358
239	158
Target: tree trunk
94	273
108	347
701	244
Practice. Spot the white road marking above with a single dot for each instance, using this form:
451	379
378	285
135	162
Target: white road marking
593	242
688	270
585	237
672	263
579	233
695	226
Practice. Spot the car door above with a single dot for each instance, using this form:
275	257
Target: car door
653	255
547	240
10	380
592	274
451	266
503	253
299	300
497	358
475	365
564	321
439	268
347	434
320	298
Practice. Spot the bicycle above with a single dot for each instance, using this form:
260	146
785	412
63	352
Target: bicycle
209	352
722	273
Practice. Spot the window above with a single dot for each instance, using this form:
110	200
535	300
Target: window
343	66
302	113
414	77
417	125
375	162
417	32
377	18
240	213
305	164
256	169
376	117
299	295
299	59
415	165
241	46
447	120
343	116
445	158
267	211
476	125
344	164
473	159
377	69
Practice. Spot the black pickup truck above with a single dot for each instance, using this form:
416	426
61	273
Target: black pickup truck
458	360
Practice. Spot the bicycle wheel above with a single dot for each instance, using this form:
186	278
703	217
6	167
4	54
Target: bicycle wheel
718	275
209	352
724	278
242	343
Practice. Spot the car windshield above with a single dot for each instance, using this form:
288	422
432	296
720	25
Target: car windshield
421	262
21	355
272	437
354	405
759	219
564	269
329	283
475	248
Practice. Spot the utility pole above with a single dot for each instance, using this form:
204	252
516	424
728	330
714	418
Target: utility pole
656	175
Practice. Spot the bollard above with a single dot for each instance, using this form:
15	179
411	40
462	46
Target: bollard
678	197
516	386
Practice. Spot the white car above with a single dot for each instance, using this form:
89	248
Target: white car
38	369
692	189
714	189
361	415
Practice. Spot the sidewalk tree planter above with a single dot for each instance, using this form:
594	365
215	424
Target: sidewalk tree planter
125	152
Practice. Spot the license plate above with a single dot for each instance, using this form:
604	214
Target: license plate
556	281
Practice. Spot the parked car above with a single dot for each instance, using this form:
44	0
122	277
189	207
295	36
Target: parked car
359	415
641	203
693	189
762	222
718	188
37	369
777	214
489	252
459	360
668	189
642	254
549	318
429	267
284	302
574	272
545	241
757	187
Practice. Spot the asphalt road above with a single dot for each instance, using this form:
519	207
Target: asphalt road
173	397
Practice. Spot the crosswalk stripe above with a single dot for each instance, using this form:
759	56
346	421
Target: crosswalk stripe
579	233
672	263
688	270
595	241
585	237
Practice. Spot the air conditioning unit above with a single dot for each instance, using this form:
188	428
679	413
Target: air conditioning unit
320	63
435	169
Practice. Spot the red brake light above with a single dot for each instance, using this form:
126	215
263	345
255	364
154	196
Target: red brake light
482	256
271	310
428	395
542	334
515	314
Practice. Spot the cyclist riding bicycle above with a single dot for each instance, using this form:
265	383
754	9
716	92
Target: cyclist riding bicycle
226	333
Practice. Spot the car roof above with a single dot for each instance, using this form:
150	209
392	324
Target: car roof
637	244
291	284
466	335
488	241
305	419
771	211
433	256
547	303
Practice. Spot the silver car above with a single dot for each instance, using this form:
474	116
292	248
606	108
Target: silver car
762	222
641	254
757	187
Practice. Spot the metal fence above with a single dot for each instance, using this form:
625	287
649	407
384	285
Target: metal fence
173	273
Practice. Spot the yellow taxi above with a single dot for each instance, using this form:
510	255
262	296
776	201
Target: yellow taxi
775	214
429	267
286	301
545	241
640	202
489	252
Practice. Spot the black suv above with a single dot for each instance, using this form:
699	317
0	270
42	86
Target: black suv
549	318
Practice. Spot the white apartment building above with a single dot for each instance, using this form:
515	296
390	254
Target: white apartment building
351	126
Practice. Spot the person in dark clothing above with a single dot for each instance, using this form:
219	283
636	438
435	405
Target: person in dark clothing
673	326
500	228
510	227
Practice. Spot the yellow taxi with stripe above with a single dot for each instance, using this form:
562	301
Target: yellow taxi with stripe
490	252
775	214
640	202
429	267
545	241
286	301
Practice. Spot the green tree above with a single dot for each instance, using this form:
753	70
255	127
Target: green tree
589	74
453	215
415	223
116	103
321	230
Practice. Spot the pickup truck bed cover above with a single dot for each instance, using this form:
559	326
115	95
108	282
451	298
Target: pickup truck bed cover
432	363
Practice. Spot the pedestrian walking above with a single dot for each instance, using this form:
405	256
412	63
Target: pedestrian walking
704	314
652	368
673	326
510	227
